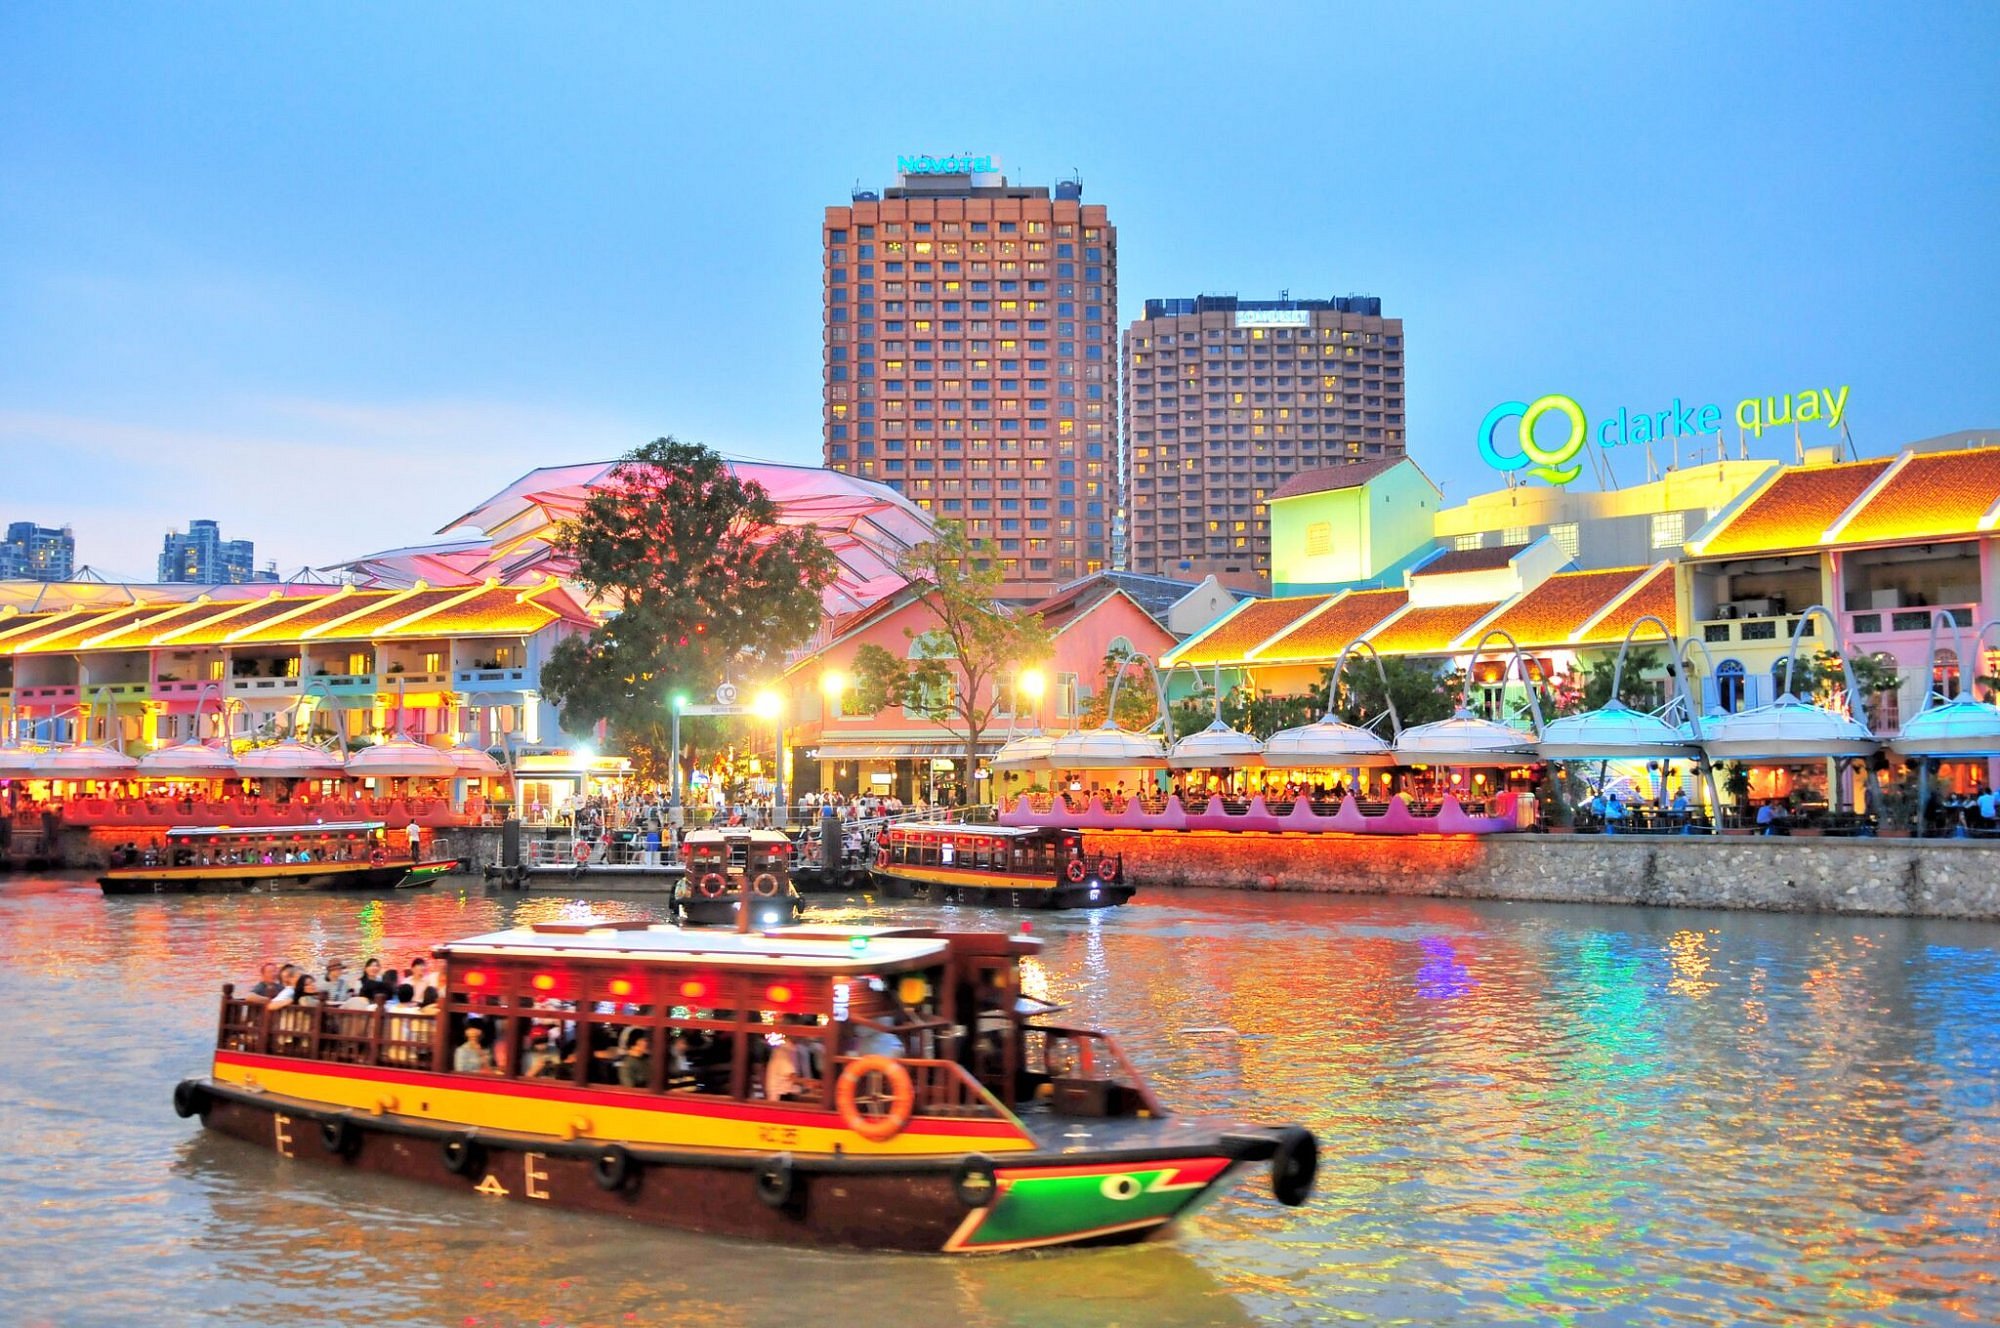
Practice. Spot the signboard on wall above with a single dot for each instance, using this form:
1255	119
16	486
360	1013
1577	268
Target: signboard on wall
1274	318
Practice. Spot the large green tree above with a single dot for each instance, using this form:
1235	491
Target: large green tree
959	670
707	586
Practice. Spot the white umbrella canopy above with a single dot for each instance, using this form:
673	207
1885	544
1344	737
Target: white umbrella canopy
1464	739
1029	751
188	760
472	762
1327	744
83	761
1788	729
17	762
401	758
289	759
1214	748
1960	728
1108	748
1614	732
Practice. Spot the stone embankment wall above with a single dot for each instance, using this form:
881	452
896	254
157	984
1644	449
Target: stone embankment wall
1946	878
1952	878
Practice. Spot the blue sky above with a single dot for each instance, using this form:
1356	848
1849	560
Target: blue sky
331	273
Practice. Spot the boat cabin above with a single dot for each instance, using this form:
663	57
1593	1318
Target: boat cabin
737	850
222	845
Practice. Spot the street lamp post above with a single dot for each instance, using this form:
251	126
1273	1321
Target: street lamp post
769	705
675	704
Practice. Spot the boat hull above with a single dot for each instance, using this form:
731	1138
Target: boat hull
953	1204
263	877
698	910
945	884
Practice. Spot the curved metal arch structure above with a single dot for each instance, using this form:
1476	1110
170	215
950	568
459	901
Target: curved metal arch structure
1515	656
1846	665
1333	684
1165	722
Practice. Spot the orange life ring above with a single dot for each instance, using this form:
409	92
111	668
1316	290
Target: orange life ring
1106	869
711	885
583	850
765	886
1074	871
377	858
901	1099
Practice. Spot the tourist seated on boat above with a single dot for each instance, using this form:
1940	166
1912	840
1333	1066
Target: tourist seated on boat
418	975
635	1067
339	987
471	1056
544	1058
267	984
305	990
789	1072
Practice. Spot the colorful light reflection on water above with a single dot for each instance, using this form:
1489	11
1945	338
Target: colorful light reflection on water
1530	1114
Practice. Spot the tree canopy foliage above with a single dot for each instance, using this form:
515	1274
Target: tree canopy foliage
707	583
958	670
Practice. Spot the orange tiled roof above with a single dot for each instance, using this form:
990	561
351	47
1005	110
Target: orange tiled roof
139	633
1940	493
1796	509
376	613
63	634
1258	620
26	626
1431	630
1656	597
1551	613
503	610
1325	635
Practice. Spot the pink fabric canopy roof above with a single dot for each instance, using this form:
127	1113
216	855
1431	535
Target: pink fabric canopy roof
867	525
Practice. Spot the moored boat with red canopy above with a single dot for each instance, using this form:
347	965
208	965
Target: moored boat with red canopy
889	1088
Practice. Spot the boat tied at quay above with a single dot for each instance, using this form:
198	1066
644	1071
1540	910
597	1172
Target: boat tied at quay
1017	866
887	1088
334	855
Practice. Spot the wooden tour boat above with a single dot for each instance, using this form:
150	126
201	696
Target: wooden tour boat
1018	866
889	1088
730	866
333	855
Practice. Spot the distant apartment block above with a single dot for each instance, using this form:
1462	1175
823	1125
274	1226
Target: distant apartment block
1225	400
37	553
203	557
972	360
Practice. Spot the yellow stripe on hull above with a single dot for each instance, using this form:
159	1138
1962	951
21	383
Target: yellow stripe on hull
969	878
567	1112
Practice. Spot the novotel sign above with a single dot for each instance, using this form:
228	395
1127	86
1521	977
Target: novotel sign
955	165
1630	428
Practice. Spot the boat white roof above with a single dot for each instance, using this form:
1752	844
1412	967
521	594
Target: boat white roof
664	944
715	833
316	828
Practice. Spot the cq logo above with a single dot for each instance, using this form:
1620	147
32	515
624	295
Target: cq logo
1558	464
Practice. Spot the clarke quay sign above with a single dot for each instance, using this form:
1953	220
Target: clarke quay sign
1629	428
961	164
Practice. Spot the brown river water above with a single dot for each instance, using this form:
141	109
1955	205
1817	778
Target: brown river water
1528	1114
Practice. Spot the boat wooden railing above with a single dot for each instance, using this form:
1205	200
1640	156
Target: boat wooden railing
942	1088
1086	1055
375	1035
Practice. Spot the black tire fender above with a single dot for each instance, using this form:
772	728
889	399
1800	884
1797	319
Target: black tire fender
613	1168
464	1155
190	1099
1294	1166
975	1182
339	1136
777	1180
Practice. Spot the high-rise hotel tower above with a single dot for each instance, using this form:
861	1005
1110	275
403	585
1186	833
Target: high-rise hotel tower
1226	399
972	360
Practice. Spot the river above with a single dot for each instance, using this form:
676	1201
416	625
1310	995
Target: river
1528	1114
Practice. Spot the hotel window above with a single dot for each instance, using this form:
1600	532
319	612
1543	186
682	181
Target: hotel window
1514	535
1319	539
1565	536
1466	543
217	670
1669	529
433	661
